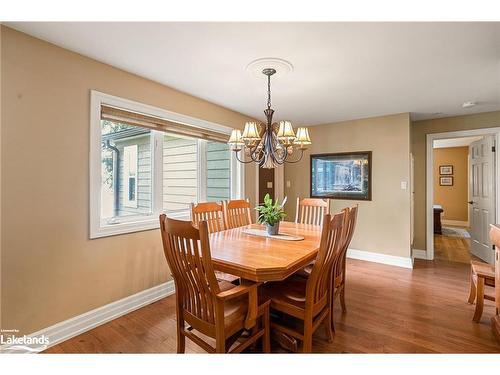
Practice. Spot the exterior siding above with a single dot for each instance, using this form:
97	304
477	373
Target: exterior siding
218	171
143	175
180	173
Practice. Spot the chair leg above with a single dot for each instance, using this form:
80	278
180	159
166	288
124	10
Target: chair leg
472	290
328	323
181	339
220	345
266	339
330	317
479	299
342	298
308	333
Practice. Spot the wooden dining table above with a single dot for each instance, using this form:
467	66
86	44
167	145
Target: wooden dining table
263	259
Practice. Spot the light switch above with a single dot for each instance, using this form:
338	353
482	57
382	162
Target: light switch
288	184
404	185
269	185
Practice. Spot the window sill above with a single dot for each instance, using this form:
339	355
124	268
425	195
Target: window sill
132	226
124	228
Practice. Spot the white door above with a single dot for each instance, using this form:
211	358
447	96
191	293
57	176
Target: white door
482	196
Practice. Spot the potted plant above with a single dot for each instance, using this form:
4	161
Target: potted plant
271	214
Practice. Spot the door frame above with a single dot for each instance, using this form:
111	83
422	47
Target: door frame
429	191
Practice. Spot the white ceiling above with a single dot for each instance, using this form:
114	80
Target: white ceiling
342	71
454	142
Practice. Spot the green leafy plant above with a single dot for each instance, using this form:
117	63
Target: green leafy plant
271	213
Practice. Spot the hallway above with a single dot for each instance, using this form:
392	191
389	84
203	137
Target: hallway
452	248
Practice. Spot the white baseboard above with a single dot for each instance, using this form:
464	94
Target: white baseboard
419	254
380	258
72	327
456	223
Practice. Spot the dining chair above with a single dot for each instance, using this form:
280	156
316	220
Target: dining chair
216	309
237	213
339	269
311	210
213	214
308	299
481	275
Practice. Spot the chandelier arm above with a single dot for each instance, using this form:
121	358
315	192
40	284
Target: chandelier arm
299	159
253	154
255	158
277	159
242	161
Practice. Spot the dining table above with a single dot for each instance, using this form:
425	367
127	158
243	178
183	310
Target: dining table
262	258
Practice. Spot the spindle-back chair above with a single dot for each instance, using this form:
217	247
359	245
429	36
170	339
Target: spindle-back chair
311	210
216	309
237	213
308	299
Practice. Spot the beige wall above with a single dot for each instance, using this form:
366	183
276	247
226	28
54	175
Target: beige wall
419	130
383	223
51	271
454	198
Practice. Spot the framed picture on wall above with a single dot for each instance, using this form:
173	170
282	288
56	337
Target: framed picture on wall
346	175
446	181
446	169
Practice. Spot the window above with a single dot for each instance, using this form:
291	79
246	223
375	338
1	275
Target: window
145	161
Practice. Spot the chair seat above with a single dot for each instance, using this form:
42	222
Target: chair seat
306	271
288	296
235	310
222	276
483	270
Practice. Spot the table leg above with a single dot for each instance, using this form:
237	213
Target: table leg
253	307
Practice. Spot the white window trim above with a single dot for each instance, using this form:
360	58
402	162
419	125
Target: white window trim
97	228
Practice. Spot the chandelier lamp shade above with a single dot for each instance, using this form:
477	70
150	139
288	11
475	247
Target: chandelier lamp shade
271	144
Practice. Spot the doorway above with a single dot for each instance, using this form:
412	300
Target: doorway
266	183
461	194
269	181
452	240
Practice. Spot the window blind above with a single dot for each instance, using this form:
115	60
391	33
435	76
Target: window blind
137	119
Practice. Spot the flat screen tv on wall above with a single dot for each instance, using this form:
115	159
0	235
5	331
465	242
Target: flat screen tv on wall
345	175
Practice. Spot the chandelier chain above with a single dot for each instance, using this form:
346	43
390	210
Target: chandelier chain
268	91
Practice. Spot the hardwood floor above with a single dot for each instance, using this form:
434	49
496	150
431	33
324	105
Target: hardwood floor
453	249
389	310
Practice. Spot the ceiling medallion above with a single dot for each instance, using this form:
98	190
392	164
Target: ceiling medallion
270	144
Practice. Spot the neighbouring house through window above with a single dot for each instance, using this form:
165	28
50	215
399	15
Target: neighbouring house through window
145	170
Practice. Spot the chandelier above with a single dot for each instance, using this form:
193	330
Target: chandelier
269	145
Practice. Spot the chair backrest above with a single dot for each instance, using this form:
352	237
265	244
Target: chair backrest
187	250
319	281
311	210
212	213
351	214
237	213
